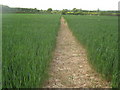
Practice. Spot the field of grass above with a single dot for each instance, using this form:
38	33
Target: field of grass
99	35
28	42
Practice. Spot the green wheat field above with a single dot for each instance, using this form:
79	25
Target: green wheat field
29	40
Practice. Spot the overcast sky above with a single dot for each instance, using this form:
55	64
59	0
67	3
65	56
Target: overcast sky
64	4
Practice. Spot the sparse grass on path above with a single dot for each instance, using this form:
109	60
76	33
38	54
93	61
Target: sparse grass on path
70	68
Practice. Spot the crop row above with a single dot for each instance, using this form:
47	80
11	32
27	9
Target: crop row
28	43
99	35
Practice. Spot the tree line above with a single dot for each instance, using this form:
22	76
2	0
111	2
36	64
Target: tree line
74	11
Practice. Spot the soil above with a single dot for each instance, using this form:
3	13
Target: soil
70	67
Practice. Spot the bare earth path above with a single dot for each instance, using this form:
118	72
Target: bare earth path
69	68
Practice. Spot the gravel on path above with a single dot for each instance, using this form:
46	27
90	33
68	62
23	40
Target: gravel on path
69	67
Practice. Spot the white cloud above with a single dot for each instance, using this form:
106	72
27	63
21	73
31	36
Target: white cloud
64	4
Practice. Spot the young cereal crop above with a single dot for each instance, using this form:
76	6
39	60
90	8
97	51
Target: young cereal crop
28	43
99	35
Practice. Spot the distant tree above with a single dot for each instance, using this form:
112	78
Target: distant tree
80	9
49	10
64	11
75	10
98	10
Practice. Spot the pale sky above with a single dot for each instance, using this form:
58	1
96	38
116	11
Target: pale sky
63	4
